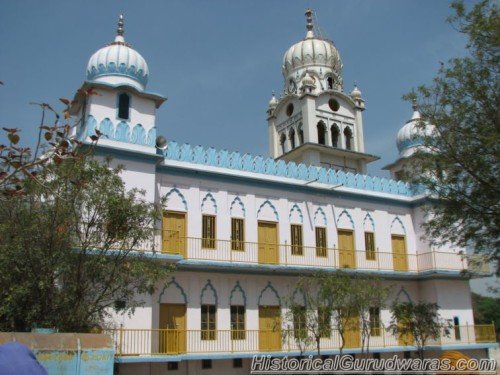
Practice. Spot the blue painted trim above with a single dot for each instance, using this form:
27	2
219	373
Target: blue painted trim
237	200
267	202
344	212
210	197
369	217
397	219
269	166
238	287
112	70
209	285
403	291
412	142
107	128
215	356
322	213
295	207
179	194
271	287
275	269
177	285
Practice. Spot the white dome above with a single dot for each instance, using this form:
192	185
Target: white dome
315	54
356	93
273	102
118	63
411	135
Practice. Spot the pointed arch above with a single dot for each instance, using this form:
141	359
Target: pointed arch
402	292
397	226
106	128
208	204
283	143
295	215
295	295
368	223
151	139
291	137
209	288
345	220
175	200
335	133
237	208
177	286
348	138
91	126
300	132
269	288
267	211
238	289
321	128
320	217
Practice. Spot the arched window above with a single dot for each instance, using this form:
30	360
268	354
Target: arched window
329	82
335	135
282	143
301	135
321	133
291	136
348	138
123	106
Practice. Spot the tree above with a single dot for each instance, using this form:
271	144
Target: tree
67	251
343	297
460	160
417	323
486	310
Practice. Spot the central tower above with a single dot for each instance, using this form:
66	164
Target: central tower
314	122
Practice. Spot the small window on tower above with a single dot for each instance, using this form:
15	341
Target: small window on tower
329	81
291	136
334	105
335	135
301	135
282	143
289	110
123	106
321	133
348	138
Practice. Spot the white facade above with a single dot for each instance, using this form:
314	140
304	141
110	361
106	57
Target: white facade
310	184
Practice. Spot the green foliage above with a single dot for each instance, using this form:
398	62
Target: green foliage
486	310
328	302
460	162
65	254
420	321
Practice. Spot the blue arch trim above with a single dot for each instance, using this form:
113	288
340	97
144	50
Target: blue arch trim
238	201
138	135
397	219
294	294
176	284
122	132
236	288
369	218
344	212
210	197
268	203
91	126
403	292
176	191
295	207
207	286
271	288
320	211
106	128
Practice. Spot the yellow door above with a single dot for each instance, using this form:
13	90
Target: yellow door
405	339
268	243
352	337
346	249
174	233
269	328
172	334
399	257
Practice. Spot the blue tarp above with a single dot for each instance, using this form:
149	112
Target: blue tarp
17	359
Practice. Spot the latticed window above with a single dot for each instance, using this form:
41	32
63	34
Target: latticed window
370	246
208	232
208	326
237	234
296	231
238	322
374	321
324	321
320	242
299	322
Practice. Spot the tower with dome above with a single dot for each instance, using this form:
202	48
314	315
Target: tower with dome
241	229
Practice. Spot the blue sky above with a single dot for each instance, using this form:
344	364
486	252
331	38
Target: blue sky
218	61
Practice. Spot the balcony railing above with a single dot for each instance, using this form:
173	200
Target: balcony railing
218	250
174	342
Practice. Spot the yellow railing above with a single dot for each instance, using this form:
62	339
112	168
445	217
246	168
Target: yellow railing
173	342
284	254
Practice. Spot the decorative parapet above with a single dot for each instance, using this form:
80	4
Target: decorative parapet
269	166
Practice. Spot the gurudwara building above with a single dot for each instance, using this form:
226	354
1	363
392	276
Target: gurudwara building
241	229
